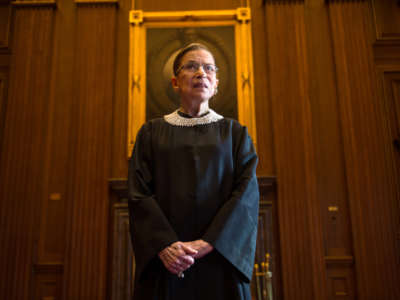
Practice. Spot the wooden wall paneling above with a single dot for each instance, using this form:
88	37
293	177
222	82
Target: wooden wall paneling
122	269
4	74
265	149
24	149
391	80
47	283
160	5
329	156
268	238
387	19
90	149
51	242
120	282
5	24
341	279
387	52
119	163
302	254
392	97
373	198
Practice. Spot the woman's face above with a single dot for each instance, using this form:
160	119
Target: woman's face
196	84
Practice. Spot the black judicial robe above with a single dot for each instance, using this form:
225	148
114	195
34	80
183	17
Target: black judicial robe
188	183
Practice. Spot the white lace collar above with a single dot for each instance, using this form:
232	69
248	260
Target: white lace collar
177	120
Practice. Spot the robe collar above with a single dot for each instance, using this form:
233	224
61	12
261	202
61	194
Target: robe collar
176	119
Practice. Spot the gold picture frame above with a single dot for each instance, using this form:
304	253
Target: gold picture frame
141	21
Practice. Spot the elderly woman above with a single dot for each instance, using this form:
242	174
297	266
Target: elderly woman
193	195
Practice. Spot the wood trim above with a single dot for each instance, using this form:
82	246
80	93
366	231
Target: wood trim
57	267
283	1
5	35
119	186
379	30
387	52
48	3
339	260
190	15
91	2
328	1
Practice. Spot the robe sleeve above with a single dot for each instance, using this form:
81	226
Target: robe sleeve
233	231
149	228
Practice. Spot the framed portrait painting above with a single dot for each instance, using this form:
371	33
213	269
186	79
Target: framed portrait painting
156	38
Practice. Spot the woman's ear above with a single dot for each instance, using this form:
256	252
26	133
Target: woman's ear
174	82
216	87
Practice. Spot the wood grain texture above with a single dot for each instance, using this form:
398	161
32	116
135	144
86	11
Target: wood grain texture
387	19
268	235
160	5
4	76
298	206
387	53
119	164
52	240
328	144
122	265
5	25
371	181
89	163
265	147
24	148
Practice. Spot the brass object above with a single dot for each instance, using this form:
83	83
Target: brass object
55	196
258	285
333	208
263	279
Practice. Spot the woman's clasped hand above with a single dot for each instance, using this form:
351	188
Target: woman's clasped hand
180	256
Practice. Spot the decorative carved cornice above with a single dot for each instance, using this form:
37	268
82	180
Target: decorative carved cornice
339	260
119	186
48	268
387	51
331	1
241	14
136	17
96	2
283	1
48	3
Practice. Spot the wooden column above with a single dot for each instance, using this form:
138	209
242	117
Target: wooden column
24	151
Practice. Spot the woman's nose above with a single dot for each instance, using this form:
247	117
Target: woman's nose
200	71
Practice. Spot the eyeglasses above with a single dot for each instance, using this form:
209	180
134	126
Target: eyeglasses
193	66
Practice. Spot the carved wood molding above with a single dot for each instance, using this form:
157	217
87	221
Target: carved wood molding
385	14
332	1
5	12
48	268
339	260
387	52
96	2
283	1
48	3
